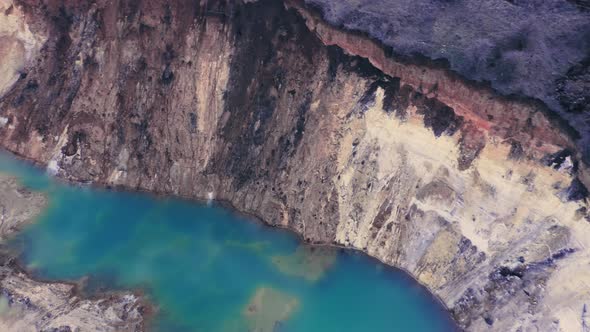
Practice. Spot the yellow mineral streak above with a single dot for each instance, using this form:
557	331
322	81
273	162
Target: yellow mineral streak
497	204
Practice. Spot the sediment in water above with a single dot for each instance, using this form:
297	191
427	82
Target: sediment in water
264	105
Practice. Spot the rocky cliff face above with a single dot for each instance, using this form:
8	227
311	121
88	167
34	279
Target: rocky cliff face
537	48
264	105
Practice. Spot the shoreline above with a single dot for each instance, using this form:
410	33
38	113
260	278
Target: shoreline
345	146
16	263
23	285
248	216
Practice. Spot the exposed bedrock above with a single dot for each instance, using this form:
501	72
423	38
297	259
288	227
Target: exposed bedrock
533	48
262	104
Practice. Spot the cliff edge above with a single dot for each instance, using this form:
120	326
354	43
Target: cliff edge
526	48
264	104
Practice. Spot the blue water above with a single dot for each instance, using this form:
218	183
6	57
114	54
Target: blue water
208	269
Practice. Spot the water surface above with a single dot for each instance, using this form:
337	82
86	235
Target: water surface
208	269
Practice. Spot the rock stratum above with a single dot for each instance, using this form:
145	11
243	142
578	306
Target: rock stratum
536	48
263	104
27	304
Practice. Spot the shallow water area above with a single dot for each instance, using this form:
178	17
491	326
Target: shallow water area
206	268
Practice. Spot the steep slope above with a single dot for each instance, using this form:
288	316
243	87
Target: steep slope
535	48
264	105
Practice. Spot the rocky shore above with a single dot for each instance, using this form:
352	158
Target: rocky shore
481	197
27	304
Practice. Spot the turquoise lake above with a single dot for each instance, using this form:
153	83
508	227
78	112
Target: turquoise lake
208	269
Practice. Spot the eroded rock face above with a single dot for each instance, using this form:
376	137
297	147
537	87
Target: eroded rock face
523	47
18	45
264	105
30	305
